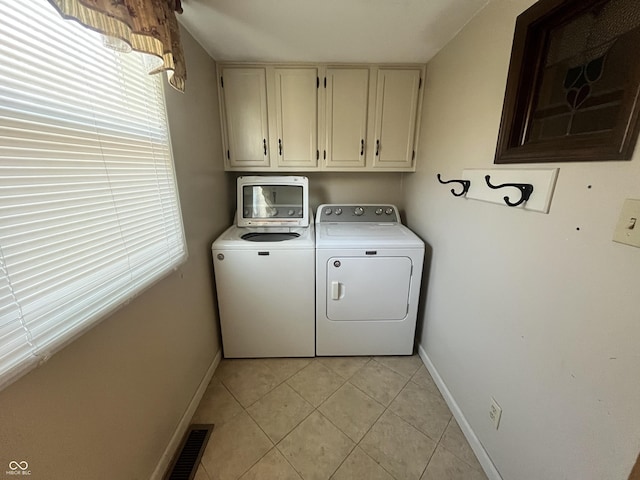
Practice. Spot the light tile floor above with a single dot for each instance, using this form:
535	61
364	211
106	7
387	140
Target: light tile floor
340	418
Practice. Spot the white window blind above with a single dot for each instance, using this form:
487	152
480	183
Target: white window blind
89	211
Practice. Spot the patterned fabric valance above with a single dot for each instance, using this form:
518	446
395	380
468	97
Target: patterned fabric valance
148	26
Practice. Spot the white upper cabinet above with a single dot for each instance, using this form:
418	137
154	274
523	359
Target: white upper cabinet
397	98
296	103
346	117
243	93
300	117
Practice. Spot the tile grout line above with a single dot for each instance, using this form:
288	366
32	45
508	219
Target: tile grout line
384	407
245	410
445	430
265	434
265	454
311	360
440	444
275	444
366	433
232	396
317	409
206	472
429	461
350	376
436	448
377	463
345	380
271	370
401	388
474	467
410	376
282	453
387	408
441	435
355	444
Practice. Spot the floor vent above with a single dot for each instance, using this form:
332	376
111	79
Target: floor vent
186	463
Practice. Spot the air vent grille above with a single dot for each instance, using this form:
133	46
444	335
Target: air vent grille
185	465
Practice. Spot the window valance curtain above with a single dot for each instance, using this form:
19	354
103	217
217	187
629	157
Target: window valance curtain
148	26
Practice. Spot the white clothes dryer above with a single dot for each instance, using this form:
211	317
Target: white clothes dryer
368	275
265	271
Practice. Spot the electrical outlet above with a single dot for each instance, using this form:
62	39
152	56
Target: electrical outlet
495	412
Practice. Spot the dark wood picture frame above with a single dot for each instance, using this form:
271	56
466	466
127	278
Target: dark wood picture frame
526	71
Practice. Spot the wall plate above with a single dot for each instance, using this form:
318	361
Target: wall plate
543	181
628	228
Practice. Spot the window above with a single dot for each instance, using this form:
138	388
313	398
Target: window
89	211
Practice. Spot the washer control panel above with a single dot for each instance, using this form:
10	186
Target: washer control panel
344	213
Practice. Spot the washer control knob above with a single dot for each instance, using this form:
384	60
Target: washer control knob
337	264
291	212
358	211
389	211
338	211
378	211
327	211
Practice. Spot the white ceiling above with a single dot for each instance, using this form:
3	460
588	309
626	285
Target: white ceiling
363	31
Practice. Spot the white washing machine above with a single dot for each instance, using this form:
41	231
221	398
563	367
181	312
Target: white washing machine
264	268
368	274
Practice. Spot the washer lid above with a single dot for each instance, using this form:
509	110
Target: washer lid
369	235
273	201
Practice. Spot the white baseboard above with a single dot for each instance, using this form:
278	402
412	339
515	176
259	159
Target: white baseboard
482	455
185	421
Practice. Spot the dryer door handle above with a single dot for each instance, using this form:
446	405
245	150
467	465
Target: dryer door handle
337	290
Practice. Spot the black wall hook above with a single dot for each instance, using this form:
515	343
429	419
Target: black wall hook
465	185
526	189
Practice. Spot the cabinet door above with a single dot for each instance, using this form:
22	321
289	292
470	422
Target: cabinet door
347	106
296	96
396	108
244	92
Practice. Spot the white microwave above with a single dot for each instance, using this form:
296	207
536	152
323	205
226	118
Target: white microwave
273	201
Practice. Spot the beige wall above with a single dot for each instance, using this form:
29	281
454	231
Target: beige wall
106	406
331	187
523	306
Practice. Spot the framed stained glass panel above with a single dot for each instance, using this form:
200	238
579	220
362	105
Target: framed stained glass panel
573	90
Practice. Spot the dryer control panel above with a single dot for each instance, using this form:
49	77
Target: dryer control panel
350	213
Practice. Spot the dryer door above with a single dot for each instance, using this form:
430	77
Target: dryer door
368	288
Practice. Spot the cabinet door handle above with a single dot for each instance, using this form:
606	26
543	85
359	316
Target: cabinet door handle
279	146
361	147
377	147
264	146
